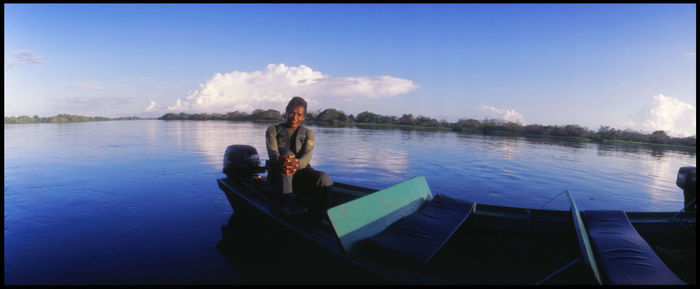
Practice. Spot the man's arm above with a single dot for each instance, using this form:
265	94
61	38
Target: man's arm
308	149
271	143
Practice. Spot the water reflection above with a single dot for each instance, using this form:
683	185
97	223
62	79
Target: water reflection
633	148
151	132
211	138
608	149
576	144
356	151
657	152
509	147
660	174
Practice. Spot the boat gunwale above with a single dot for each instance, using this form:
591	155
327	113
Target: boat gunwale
525	214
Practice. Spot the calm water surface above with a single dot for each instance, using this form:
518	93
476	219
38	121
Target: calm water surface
136	202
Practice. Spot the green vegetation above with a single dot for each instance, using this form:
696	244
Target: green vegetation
62	118
257	115
336	117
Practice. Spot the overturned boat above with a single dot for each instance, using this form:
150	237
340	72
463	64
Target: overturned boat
406	234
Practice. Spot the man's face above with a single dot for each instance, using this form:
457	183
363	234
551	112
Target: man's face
296	116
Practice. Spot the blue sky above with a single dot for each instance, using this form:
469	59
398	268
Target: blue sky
622	65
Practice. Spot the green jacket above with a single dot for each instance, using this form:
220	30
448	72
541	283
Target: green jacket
280	137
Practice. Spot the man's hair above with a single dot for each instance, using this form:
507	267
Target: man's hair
296	101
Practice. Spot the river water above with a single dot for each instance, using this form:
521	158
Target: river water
136	202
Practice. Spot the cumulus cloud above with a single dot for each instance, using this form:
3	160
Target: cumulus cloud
669	114
505	114
151	106
23	56
274	86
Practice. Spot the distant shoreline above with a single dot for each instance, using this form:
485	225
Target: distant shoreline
64	118
368	119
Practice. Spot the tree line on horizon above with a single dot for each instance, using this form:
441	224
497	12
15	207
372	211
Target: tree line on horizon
61	118
333	116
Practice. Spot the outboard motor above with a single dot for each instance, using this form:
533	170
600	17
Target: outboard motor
686	181
242	161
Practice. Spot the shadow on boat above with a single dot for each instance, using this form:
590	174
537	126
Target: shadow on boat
265	256
478	256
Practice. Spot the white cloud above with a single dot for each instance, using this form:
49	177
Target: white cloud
23	56
506	114
151	106
669	114
274	86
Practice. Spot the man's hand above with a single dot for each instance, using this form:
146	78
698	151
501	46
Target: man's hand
292	167
288	164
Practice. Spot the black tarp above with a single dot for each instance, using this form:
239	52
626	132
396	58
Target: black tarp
417	237
623	255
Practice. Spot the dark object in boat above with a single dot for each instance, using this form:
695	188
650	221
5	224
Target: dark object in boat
242	160
687	181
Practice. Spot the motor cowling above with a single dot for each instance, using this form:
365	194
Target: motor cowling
242	160
686	180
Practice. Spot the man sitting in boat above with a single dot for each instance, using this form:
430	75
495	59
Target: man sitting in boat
290	147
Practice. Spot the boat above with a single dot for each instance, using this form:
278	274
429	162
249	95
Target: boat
472	244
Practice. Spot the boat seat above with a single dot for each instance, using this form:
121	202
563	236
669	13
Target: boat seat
371	214
420	235
623	255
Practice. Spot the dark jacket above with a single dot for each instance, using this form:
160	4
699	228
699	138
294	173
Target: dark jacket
278	139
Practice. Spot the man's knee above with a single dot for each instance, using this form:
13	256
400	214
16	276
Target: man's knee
323	180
